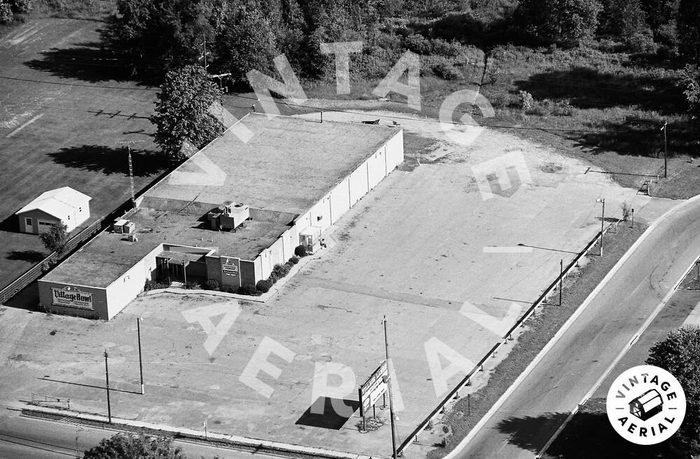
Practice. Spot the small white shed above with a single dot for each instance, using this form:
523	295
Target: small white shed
60	206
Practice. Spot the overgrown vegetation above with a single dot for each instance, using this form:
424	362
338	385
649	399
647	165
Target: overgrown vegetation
129	445
12	9
679	354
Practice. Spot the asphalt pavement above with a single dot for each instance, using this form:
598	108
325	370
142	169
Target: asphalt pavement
577	360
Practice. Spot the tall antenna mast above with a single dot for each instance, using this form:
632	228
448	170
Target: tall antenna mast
131	168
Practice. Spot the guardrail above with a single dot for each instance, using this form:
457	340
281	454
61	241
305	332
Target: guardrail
454	393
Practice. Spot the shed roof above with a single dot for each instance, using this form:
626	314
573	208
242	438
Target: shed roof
57	202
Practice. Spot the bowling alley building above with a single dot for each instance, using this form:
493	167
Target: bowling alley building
230	213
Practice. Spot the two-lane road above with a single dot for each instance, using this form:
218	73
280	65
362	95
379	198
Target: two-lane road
589	344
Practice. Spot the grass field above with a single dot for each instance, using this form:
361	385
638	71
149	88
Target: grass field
66	111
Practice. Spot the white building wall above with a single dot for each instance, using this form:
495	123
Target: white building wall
394	151
359	185
320	213
125	289
340	200
377	167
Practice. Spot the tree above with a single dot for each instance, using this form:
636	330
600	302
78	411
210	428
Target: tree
679	354
10	8
127	446
567	22
182	111
55	239
691	81
246	42
689	30
159	35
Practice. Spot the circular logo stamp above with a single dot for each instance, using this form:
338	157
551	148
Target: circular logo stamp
646	405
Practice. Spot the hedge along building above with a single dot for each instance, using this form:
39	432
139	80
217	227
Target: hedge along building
231	212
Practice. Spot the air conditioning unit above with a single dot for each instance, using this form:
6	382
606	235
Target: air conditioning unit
232	216
310	238
124	227
118	226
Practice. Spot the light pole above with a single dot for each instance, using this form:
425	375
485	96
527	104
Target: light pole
138	331
391	403
602	224
109	406
665	128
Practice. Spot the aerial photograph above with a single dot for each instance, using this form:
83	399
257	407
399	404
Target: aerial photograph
350	229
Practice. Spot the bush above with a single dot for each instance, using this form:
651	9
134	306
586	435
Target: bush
294	260
527	102
289	265
300	251
245	290
194	285
264	285
444	69
642	42
280	271
229	289
132	445
6	14
154	285
626	211
212	284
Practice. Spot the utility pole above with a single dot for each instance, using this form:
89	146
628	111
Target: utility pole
665	129
391	402
561	278
138	331
602	224
109	406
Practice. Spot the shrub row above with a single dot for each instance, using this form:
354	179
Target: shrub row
278	272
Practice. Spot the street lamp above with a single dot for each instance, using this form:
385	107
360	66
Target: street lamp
602	224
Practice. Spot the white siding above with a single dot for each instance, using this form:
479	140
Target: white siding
340	200
358	184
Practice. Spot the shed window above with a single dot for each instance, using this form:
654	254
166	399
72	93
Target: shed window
28	221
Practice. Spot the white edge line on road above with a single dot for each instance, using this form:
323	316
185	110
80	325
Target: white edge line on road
619	357
475	430
16	131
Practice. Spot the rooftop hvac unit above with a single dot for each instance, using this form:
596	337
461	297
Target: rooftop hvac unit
118	226
124	227
229	216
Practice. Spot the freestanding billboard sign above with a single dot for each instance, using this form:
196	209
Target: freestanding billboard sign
374	388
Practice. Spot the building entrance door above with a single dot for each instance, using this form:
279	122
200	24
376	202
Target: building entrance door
177	272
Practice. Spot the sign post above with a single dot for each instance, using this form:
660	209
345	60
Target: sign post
370	392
